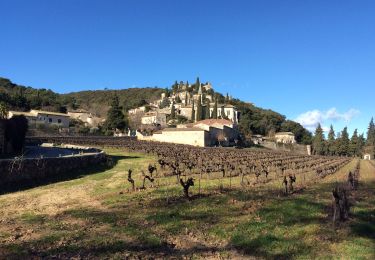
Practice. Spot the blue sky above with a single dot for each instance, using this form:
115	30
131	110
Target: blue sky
310	60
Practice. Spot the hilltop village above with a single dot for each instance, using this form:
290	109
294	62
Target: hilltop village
192	114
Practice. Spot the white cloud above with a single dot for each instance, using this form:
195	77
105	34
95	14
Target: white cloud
311	119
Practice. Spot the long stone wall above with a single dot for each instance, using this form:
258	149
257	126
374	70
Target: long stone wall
13	171
2	137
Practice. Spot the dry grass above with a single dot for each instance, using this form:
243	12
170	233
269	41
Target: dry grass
96	216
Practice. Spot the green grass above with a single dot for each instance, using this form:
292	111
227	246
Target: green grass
97	216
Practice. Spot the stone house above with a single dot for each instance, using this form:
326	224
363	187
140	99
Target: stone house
209	132
35	117
188	136
154	118
285	138
86	117
221	131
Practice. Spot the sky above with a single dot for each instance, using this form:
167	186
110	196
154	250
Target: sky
312	61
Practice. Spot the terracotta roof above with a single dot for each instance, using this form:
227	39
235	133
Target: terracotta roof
48	113
284	133
214	121
182	129
17	113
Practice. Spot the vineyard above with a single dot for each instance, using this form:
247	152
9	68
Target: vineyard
251	166
160	201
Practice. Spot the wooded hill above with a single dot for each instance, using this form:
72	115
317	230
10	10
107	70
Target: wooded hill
254	120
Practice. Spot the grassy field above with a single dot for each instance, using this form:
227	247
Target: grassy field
96	216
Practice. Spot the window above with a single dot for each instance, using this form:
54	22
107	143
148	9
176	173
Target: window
59	121
50	120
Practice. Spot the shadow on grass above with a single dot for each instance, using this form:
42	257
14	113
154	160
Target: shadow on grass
106	242
70	175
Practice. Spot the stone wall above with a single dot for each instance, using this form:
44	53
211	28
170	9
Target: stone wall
13	171
2	137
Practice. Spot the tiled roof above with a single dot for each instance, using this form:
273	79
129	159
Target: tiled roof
182	129
214	121
48	113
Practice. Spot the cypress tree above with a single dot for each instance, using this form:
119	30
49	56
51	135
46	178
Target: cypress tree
318	141
199	110
192	112
173	111
331	149
207	111
214	111
197	84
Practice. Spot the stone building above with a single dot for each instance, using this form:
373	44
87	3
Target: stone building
35	117
204	133
285	138
154	118
86	117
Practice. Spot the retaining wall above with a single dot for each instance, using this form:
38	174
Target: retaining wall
20	171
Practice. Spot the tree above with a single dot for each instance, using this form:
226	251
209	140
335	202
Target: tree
3	110
197	84
222	114
343	143
331	146
214	111
192	112
360	145
199	116
173	112
186	98
164	103
371	133
178	100
175	87
207	111
318	141
15	132
115	116
353	145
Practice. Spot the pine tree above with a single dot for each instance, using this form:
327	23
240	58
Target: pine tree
360	145
318	141
353	145
371	133
115	117
199	110
173	112
192	112
331	149
343	144
214	111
